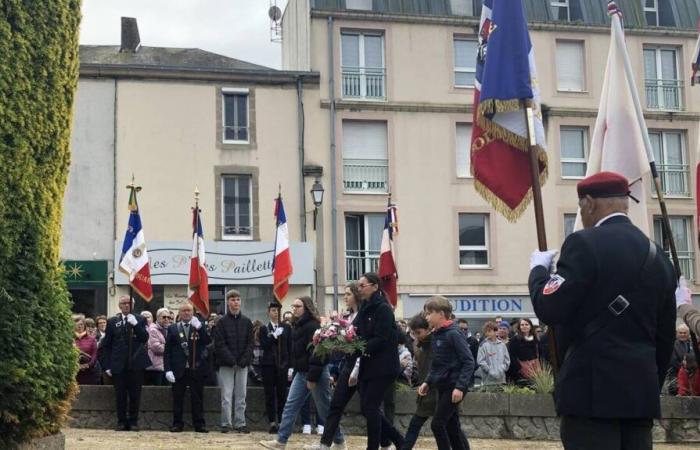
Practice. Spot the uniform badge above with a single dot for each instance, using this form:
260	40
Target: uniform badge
554	283
137	253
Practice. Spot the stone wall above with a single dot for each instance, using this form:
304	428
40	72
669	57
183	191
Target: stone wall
482	415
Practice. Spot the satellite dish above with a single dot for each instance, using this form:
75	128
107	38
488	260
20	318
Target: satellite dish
275	13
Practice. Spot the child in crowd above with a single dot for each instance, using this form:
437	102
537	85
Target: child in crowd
405	359
493	358
450	373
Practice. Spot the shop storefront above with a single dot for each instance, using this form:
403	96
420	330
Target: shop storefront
245	266
87	285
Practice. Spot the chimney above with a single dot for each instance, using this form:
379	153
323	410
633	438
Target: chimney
130	35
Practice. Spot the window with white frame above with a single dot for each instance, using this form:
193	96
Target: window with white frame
574	151
359	4
682	231
463	142
235	115
462	7
661	84
473	240
560	10
569	224
651	12
237	205
362	65
365	162
363	240
464	61
570	66
671	162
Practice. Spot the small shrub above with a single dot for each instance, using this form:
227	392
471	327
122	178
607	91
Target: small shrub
542	378
515	389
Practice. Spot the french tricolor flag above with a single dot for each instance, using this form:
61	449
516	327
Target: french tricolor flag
134	259
695	60
199	282
282	264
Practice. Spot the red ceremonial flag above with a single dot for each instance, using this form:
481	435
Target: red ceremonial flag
199	282
387	268
282	262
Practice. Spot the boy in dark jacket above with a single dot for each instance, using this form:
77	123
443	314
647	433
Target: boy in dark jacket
450	372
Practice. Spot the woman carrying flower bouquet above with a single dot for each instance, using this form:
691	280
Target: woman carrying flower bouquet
310	374
343	390
379	364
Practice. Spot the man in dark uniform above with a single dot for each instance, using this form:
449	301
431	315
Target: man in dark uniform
611	303
276	343
126	359
185	364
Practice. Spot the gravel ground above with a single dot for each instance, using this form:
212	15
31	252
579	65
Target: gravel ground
79	439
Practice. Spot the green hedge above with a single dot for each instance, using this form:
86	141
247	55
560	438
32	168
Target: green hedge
38	76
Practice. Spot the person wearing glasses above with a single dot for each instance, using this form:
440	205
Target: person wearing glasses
311	375
379	365
155	376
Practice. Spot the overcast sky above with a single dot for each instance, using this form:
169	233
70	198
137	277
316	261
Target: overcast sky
235	28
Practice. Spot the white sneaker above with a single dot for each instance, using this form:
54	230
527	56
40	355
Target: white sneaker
319	429
306	429
273	445
339	446
388	447
316	447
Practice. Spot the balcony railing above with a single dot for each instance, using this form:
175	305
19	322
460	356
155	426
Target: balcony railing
687	262
363	82
358	262
365	175
674	180
664	94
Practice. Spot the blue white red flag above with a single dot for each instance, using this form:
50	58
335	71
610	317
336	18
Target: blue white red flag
505	79
134	259
387	268
282	263
695	58
199	281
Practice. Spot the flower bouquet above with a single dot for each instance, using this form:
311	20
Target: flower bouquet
337	336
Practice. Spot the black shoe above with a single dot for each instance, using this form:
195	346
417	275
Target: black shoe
134	427
274	428
201	430
243	430
122	427
176	429
224	430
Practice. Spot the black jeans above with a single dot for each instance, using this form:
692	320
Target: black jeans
389	403
127	388
195	381
605	434
413	432
378	427
341	397
154	378
275	386
445	424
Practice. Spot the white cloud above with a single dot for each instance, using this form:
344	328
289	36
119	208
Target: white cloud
236	28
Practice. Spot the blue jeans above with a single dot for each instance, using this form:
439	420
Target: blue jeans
306	414
298	393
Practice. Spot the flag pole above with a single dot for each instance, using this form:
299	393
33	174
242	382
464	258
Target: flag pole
133	189
195	231
539	214
617	29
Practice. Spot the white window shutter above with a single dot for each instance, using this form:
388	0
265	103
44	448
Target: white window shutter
463	144
570	66
364	139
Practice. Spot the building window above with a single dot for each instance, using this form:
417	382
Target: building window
681	228
560	10
671	162
464	62
463	150
574	150
359	4
570	66
235	112
663	88
363	240
365	163
569	224
651	12
363	72
473	241
462	7
237	207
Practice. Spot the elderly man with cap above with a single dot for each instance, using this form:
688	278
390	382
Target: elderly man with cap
612	305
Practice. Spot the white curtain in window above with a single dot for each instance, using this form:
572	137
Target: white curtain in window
375	228
570	66
462	7
668	65
463	144
359	4
680	234
351	50
572	144
674	149
373	51
650	64
364	139
465	53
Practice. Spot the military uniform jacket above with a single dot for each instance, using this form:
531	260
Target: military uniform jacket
618	371
115	345
182	352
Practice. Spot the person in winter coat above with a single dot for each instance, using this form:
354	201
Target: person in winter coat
87	359
450	373
524	351
405	359
276	344
156	347
493	358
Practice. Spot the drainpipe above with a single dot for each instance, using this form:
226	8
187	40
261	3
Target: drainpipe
300	139
334	193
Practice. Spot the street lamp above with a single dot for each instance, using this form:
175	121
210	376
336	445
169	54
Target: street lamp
317	195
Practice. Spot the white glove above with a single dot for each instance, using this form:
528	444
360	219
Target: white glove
538	258
278	332
290	372
170	376
108	372
132	320
683	293
196	323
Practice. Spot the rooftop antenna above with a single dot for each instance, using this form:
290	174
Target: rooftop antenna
275	14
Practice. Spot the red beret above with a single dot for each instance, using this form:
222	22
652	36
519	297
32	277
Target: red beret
603	184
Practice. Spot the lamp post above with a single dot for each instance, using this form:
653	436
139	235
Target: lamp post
317	195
